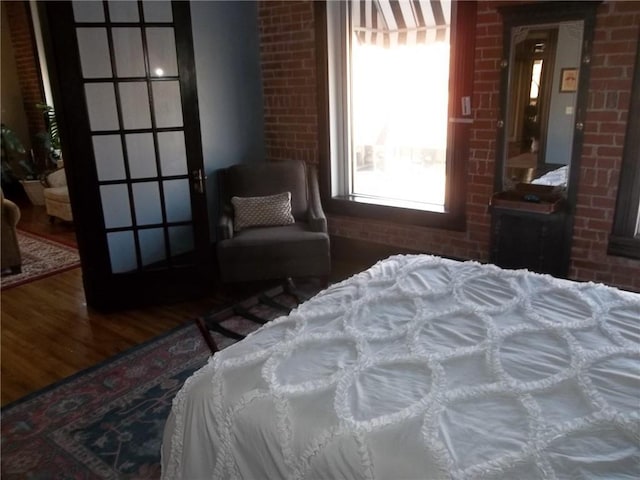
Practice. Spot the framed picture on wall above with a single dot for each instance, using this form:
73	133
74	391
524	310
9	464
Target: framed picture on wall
568	80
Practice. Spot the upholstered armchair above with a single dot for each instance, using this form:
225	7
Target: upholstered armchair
9	217
272	225
56	196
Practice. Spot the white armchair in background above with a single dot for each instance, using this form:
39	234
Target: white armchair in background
56	196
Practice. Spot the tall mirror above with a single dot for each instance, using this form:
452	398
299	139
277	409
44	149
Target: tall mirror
545	69
544	83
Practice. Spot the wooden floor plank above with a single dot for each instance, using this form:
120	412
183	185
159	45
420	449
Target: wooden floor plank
48	333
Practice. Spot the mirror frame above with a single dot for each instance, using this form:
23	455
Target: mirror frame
544	13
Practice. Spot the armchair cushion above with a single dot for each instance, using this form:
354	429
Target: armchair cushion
262	211
269	178
274	252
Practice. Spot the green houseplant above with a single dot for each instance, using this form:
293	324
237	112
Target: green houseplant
20	167
30	168
16	164
50	139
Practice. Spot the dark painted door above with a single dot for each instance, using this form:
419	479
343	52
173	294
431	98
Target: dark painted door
124	85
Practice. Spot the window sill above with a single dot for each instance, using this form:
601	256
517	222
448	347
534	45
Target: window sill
394	203
624	247
369	208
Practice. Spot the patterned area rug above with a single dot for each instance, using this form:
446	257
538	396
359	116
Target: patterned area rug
40	258
107	422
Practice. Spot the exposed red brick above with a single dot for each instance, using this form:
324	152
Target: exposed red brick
27	65
614	48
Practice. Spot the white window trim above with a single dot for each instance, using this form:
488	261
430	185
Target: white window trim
339	79
337	57
338	43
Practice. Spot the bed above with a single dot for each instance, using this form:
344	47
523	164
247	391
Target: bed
554	178
422	368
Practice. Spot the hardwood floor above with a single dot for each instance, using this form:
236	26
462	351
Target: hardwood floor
47	332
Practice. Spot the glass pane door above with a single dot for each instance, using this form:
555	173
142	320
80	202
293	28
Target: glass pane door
131	82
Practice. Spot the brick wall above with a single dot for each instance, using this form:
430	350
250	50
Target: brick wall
27	64
614	49
287	52
288	62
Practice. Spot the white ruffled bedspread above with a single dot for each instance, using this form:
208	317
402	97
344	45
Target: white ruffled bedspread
423	368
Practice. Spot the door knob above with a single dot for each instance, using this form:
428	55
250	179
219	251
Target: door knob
198	178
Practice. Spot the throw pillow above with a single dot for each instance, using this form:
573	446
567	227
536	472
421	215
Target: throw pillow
269	210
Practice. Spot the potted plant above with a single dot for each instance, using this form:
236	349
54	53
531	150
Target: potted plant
20	166
50	139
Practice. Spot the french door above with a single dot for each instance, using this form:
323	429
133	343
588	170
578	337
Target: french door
125	92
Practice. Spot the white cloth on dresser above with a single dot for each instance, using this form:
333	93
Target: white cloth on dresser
423	368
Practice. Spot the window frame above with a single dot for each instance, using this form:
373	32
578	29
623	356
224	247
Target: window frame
623	240
460	85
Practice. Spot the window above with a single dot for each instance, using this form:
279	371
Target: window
625	238
399	109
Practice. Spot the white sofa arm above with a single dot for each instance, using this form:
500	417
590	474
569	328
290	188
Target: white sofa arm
57	179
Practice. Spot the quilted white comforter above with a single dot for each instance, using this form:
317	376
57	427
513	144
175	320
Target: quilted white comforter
423	368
